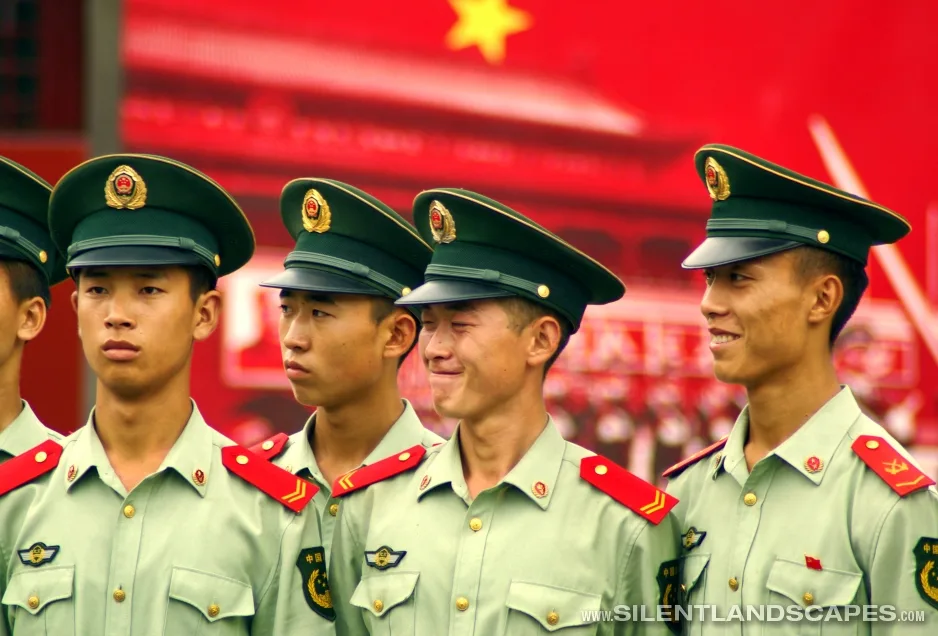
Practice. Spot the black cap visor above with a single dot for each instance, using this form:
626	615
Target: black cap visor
724	250
451	291
317	280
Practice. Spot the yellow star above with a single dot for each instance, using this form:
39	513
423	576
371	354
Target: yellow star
486	24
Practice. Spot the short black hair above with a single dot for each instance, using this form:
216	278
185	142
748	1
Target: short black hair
26	281
522	312
381	308
813	261
201	280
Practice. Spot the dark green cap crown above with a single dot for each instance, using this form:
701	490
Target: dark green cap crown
24	207
347	242
487	250
131	209
760	208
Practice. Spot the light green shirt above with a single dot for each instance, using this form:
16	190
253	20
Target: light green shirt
297	458
812	524
193	549
537	553
23	433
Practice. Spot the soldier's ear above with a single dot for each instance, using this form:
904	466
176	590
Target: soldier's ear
545	338
207	312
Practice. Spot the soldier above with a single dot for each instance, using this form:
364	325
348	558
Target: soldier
506	529
29	265
807	503
342	338
146	520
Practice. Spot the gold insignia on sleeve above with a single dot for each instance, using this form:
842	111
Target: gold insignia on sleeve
669	587
442	225
312	565
317	217
926	570
718	184
125	189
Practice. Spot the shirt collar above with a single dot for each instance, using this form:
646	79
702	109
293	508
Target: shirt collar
23	433
406	431
809	450
536	474
191	456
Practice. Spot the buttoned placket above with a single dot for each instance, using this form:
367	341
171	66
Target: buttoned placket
125	556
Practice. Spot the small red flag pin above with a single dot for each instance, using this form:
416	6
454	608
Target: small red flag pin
811	562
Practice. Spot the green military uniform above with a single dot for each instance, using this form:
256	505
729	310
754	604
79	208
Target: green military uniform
217	539
24	236
347	242
298	458
838	514
564	535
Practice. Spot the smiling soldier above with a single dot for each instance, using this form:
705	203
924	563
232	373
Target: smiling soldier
146	520
506	529
808	503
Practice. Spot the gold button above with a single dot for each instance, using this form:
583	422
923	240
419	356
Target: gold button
552	618
543	291
217	260
404	457
823	236
750	499
33	602
334	509
601	470
808	598
119	595
406	291
41	457
378	605
462	603
475	524
267	445
129	511
241	459
872	444
43	257
213	610
734	584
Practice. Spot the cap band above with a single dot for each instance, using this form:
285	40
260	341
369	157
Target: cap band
487	275
143	240
20	242
351	267
773	226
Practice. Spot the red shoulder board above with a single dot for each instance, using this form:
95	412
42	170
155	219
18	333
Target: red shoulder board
679	467
289	490
24	468
892	467
271	447
632	492
379	471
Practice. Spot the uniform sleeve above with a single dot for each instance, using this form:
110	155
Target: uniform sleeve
903	570
298	602
650	577
345	570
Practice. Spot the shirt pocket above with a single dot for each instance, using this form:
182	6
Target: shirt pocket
204	604
810	596
535	608
41	601
387	603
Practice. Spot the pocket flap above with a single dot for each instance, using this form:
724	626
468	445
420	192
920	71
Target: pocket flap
217	597
379	593
33	590
692	567
806	587
552	607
